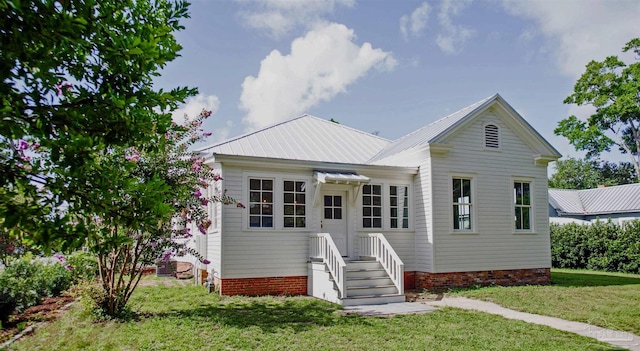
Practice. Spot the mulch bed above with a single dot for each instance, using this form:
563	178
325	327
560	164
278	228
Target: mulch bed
47	310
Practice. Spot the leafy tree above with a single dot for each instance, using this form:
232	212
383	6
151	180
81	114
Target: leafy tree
576	173
613	88
75	81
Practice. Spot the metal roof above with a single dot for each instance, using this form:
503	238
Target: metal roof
429	132
305	138
607	200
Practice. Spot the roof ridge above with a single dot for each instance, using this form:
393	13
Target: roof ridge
345	126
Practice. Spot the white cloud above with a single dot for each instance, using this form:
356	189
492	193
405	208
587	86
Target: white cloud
452	37
415	23
321	65
194	106
579	31
279	17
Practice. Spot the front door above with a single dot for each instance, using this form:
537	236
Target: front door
334	218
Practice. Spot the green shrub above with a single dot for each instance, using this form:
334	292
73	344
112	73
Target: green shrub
84	266
600	246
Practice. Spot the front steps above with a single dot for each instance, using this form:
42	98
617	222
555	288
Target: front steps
369	284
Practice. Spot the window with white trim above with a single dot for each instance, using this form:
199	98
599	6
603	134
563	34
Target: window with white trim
399	206
522	201
295	204
462	204
260	203
491	136
372	206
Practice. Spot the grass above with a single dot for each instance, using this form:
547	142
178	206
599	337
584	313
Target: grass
610	300
187	318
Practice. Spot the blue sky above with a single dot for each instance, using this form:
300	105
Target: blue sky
391	67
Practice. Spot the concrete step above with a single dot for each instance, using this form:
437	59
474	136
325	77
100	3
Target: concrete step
369	281
371	290
372	300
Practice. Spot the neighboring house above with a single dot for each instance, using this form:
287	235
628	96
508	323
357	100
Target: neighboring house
354	218
619	203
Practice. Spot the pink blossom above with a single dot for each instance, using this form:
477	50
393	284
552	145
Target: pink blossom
25	158
197	193
196	167
240	205
133	156
202	229
153	244
207	134
62	85
60	259
217	177
203	182
204	201
68	267
206	262
35	145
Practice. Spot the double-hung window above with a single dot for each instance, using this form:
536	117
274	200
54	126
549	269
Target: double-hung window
295	204
522	201
462	205
399	206
260	203
372	206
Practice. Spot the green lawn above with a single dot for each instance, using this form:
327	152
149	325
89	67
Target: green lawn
187	318
610	300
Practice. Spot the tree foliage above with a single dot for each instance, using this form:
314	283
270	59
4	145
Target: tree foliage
613	88
76	80
577	173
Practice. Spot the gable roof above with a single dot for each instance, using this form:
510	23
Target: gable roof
608	200
433	132
304	138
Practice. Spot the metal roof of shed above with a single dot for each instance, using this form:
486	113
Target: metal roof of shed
608	200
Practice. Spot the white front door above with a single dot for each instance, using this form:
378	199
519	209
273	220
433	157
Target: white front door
334	218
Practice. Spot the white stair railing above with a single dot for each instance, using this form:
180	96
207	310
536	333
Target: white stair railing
376	245
322	246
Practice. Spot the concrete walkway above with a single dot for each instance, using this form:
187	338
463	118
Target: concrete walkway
613	337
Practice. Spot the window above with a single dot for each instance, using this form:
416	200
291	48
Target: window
462	204
294	204
260	203
372	206
522	200
399	206
491	137
332	207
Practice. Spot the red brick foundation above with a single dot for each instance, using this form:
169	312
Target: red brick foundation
445	281
296	285
409	280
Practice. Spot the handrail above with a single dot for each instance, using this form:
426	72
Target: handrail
376	245
322	246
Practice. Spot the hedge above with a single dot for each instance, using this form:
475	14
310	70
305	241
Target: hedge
602	246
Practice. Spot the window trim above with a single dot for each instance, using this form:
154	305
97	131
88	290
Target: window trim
532	203
484	137
306	203
274	192
473	203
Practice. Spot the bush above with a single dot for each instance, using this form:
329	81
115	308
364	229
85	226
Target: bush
84	266
601	246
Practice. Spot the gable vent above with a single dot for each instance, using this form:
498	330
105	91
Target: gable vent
491	137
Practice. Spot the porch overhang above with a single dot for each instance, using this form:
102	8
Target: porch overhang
353	179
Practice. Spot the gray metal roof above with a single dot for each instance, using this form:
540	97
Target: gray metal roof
305	138
429	132
608	200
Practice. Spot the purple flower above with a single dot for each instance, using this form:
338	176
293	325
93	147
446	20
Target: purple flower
22	145
240	205
196	167
133	156
68	267
35	145
217	177
207	134
25	158
197	193
153	244
202	229
206	261
60	259
204	201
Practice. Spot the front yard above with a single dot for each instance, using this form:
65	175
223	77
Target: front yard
187	318
610	300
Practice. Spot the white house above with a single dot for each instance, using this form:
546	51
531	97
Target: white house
619	203
354	218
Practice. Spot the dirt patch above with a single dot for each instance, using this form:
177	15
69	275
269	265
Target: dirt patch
422	296
49	309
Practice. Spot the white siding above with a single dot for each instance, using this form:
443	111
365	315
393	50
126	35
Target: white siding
494	243
423	218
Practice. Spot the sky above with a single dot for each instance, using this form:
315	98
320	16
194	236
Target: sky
391	67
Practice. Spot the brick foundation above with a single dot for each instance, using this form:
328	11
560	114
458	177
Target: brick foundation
409	280
445	281
295	285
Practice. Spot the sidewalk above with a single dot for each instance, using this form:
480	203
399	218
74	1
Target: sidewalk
613	337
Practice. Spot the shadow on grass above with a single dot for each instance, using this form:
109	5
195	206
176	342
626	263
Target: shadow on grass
269	316
578	279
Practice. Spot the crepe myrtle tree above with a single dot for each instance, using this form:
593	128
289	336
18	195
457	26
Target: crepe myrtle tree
75	82
613	88
159	196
